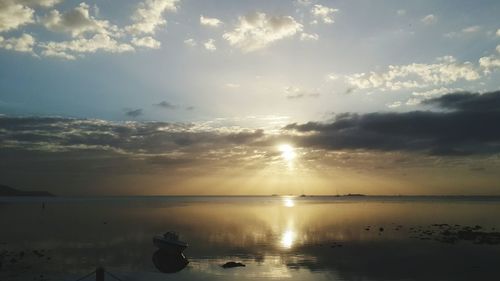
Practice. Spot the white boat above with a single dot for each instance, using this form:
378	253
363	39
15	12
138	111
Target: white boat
170	242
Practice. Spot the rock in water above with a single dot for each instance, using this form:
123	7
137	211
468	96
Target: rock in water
232	264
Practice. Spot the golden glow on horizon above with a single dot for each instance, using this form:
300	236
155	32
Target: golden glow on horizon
287	152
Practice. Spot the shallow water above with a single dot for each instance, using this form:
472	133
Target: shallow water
293	238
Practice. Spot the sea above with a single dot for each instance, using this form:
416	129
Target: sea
266	238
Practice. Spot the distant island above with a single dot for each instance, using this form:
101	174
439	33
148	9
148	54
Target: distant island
338	195
9	191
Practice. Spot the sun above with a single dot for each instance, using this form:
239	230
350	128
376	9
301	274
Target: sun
287	152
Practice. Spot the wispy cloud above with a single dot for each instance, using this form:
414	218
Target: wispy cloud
258	30
210	45
323	13
429	19
166	105
416	75
213	22
133	112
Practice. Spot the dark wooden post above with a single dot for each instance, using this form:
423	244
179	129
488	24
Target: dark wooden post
99	274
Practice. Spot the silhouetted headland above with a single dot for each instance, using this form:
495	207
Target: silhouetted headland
9	191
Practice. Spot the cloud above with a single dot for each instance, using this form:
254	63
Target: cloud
297	93
133	112
42	3
309	36
418	97
464	31
257	30
149	16
77	22
303	2
190	42
416	75
210	45
24	43
498	32
98	149
471	29
166	105
332	76
323	13
232	85
146	42
89	34
470	128
213	22
401	12
492	62
467	102
126	138
14	15
429	19
395	104
71	49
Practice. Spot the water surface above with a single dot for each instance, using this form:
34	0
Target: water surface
292	238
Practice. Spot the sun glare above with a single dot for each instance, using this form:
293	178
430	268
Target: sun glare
288	202
287	239
287	152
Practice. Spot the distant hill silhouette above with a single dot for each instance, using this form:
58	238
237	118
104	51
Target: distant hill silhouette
9	191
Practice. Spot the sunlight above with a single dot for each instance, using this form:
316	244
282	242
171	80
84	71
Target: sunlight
287	239
287	152
288	202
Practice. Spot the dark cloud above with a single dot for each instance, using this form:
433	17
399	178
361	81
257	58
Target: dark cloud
245	137
189	108
166	105
64	134
133	112
468	101
471	128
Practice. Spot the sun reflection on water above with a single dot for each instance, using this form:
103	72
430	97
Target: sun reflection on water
288	202
287	239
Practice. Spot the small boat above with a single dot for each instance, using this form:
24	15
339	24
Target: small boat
170	242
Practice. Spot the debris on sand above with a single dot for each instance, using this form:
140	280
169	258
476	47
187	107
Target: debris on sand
452	234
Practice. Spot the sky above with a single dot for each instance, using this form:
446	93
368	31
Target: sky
250	97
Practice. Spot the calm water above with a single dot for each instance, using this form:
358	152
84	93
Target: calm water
292	238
